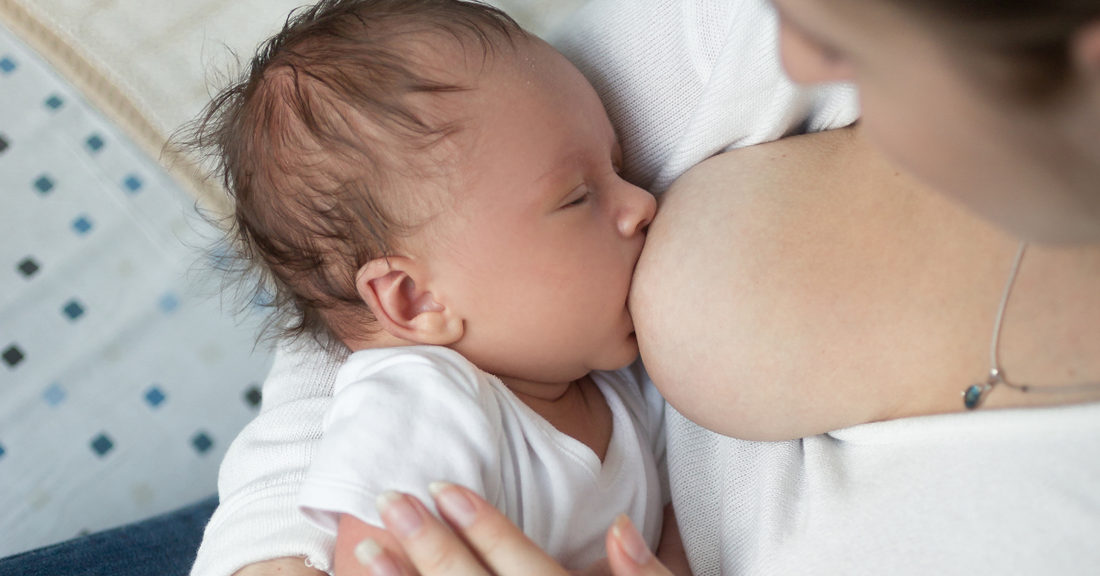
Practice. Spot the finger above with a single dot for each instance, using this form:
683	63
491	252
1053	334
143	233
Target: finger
433	549
502	546
628	554
378	562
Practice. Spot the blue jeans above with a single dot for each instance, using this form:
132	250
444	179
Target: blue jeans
160	546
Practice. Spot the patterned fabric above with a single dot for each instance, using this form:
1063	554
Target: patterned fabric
122	379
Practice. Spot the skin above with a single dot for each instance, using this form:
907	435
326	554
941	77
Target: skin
527	270
1031	172
855	295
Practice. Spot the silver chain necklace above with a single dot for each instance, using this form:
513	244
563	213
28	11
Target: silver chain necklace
975	394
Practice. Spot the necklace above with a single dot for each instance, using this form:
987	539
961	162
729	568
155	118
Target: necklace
975	394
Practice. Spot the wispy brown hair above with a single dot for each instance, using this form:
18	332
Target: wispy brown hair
310	143
1019	50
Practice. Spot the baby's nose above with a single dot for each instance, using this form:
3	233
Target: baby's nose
637	211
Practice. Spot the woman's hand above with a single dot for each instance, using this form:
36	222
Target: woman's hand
484	541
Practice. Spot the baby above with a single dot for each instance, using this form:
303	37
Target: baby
438	190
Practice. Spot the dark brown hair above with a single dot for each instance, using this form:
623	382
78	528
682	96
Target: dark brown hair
1019	48
313	141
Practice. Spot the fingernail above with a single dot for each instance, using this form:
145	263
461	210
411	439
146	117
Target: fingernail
453	503
371	555
397	514
630	540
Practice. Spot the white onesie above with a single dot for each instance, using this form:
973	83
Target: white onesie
404	417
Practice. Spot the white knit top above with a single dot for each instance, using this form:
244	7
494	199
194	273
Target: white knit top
991	492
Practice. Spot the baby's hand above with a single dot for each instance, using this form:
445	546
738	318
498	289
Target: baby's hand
670	550
351	534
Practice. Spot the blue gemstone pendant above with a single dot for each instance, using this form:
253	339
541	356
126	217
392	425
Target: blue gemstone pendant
973	395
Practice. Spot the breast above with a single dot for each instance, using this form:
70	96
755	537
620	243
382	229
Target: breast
787	289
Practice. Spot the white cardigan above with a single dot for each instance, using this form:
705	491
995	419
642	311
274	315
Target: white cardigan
682	80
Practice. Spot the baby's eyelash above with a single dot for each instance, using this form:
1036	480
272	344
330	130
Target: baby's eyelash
580	200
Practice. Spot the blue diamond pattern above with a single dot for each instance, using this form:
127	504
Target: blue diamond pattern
54	102
253	396
102	444
7	65
82	224
28	267
94	142
201	442
44	184
168	303
154	396
132	183
12	355
73	310
54	395
1	451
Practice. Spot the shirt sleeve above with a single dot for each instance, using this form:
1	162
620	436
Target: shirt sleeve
400	425
257	518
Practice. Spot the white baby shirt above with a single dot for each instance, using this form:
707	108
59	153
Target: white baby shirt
404	417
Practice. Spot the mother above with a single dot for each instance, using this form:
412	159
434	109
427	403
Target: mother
806	289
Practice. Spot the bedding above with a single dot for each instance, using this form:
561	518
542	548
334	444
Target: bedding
123	377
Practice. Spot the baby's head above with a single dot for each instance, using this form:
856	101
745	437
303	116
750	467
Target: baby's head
425	172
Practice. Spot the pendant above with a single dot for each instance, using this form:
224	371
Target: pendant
972	397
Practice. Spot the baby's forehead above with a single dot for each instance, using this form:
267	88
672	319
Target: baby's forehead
478	119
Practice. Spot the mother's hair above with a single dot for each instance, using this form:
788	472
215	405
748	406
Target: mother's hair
1019	48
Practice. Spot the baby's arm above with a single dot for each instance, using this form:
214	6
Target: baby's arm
257	529
350	533
290	566
670	551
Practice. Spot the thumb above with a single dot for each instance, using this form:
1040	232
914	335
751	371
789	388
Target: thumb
628	554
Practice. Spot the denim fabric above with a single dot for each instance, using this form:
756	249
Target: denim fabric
161	546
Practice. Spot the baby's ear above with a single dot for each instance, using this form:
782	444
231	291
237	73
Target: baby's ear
395	290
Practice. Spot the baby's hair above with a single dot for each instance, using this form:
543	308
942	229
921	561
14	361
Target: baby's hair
310	140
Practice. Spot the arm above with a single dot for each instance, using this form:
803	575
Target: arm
670	551
257	528
351	532
279	567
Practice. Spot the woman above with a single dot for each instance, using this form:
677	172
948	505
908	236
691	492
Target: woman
857	297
